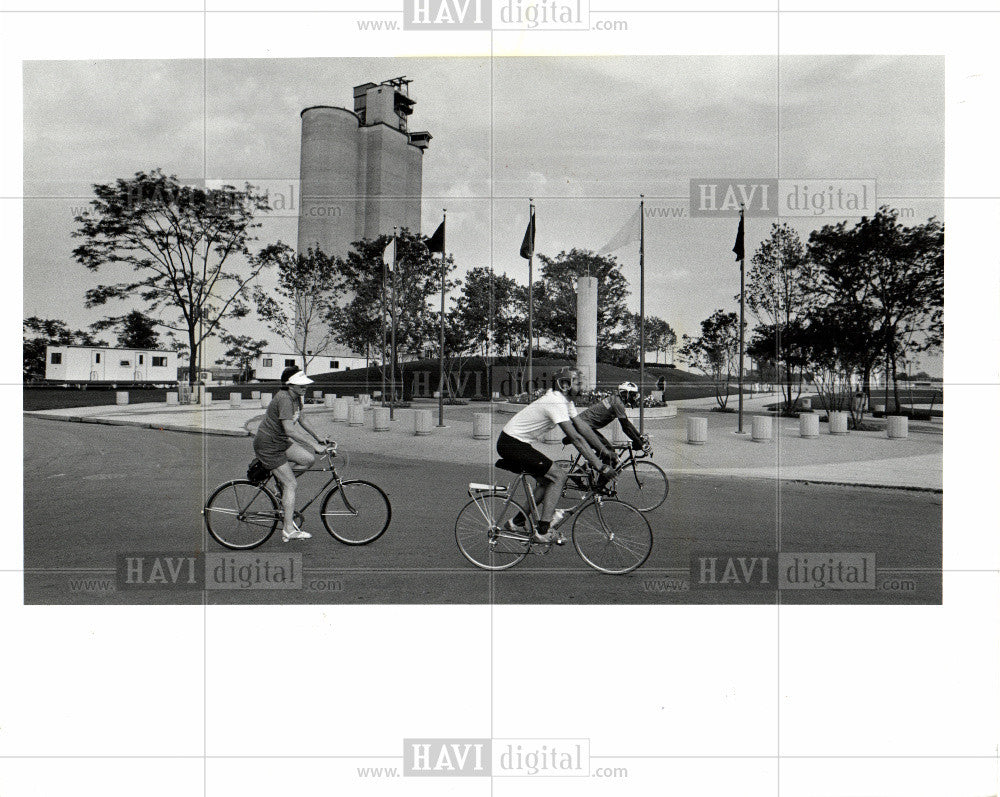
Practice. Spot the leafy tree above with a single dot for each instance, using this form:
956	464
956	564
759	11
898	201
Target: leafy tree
716	351
41	332
556	313
659	335
887	283
778	294
242	352
180	242
134	330
358	322
298	310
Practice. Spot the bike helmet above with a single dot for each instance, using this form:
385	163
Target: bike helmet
563	378
628	388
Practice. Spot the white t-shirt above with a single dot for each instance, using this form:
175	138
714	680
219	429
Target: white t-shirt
541	415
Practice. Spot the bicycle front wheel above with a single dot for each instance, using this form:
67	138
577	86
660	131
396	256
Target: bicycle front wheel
240	515
645	487
356	512
481	537
612	536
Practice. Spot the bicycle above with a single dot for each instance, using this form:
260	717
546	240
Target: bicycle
242	515
609	535
637	480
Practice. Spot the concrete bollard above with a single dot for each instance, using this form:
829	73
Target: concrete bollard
206	396
356	414
121	397
318	395
878	409
235	399
265	400
365	400
330	395
697	429
423	422
761	430
255	394
380	418
341	410
838	422
173	398
329	399
897	427
808	425
481	426
806	403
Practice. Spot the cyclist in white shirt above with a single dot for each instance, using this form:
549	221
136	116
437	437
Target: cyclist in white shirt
552	409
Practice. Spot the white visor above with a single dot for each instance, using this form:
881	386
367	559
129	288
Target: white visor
299	378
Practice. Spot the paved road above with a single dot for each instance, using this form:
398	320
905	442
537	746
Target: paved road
92	492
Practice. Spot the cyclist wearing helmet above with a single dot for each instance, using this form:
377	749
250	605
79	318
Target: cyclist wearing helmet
599	415
553	408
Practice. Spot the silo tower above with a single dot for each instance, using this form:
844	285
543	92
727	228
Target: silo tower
361	169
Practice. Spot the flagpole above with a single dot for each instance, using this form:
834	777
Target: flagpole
395	260
384	280
444	217
642	308
739	429
531	291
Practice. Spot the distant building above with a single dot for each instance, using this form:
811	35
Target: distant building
269	364
105	365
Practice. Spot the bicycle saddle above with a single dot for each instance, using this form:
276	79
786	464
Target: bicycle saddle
508	465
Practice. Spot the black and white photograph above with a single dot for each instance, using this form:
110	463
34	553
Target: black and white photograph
568	382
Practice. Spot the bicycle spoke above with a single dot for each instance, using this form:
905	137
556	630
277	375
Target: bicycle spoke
612	537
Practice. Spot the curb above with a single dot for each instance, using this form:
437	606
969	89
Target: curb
161	427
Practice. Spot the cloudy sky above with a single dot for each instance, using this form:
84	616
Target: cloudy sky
583	136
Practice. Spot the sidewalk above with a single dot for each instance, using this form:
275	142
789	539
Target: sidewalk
859	458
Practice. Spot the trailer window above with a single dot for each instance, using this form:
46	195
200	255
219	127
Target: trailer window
335	363
159	362
97	357
140	359
289	363
56	358
267	362
124	363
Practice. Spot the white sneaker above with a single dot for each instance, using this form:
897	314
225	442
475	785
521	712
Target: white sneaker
295	534
557	517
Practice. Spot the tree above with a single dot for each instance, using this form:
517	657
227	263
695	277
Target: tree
358	322
887	283
659	335
41	332
134	330
716	351
180	242
778	294
556	313
242	352
307	294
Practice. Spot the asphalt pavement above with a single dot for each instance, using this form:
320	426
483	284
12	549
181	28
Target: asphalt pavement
94	493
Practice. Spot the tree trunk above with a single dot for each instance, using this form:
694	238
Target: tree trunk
193	348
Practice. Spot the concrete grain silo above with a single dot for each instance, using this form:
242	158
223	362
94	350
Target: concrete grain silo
361	170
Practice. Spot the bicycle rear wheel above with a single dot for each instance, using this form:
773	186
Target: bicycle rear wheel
356	512
240	515
481	538
645	488
612	536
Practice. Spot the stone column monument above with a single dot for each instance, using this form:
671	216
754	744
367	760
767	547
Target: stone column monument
586	331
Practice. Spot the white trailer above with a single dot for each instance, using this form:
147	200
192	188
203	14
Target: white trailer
90	365
269	365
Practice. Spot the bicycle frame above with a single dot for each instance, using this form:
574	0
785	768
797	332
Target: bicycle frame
328	468
521	481
625	462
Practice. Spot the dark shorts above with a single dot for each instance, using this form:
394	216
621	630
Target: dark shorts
272	453
533	462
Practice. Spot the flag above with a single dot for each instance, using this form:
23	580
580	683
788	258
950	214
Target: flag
625	236
389	255
738	246
436	242
528	244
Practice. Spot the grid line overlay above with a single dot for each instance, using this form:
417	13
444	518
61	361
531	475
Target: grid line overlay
493	198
